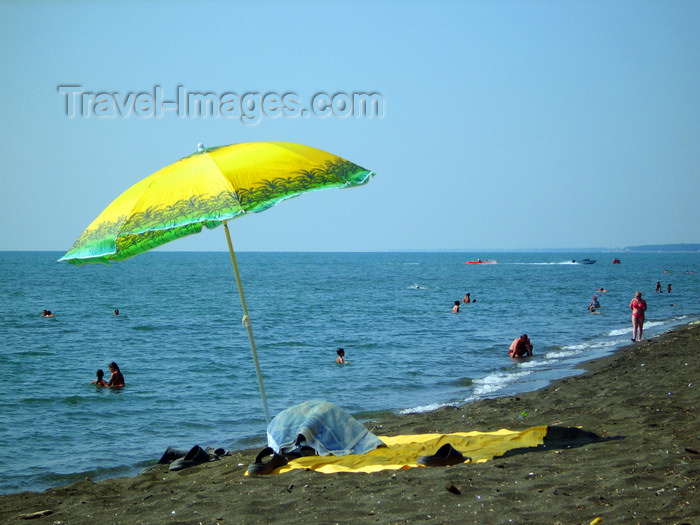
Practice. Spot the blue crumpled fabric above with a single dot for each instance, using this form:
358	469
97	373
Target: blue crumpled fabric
323	426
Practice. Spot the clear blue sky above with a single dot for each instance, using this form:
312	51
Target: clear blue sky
506	125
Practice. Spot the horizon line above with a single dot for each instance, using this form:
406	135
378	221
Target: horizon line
599	249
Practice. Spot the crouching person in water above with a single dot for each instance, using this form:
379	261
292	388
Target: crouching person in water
521	347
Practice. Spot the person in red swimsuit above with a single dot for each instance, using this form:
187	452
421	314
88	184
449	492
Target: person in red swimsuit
638	307
521	347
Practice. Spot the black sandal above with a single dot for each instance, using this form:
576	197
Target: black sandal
260	467
195	456
446	455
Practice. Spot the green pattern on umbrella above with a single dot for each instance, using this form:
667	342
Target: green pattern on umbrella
157	225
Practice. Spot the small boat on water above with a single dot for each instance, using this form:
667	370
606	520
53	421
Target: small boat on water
584	261
479	261
616	261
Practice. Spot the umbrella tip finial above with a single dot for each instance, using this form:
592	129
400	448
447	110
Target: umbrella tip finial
200	147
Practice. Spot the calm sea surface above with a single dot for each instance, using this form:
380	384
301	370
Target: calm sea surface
186	358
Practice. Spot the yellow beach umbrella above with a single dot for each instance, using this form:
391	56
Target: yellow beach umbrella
209	188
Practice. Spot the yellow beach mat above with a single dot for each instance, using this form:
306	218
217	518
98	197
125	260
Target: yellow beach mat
402	452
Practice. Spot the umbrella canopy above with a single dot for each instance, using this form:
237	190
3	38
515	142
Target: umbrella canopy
208	188
205	189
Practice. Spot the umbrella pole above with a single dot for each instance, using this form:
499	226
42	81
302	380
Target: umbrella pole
246	324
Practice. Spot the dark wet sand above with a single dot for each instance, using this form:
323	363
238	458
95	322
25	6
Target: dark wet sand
645	396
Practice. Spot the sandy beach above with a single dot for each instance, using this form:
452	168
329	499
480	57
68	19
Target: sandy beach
642	401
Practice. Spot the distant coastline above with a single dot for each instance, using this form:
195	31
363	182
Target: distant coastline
681	248
642	248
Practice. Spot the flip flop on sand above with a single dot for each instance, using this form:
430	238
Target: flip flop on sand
260	467
195	456
171	454
446	455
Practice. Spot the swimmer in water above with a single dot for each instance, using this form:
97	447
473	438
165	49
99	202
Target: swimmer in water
117	379
100	378
341	356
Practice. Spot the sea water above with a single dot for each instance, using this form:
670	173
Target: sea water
186	356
